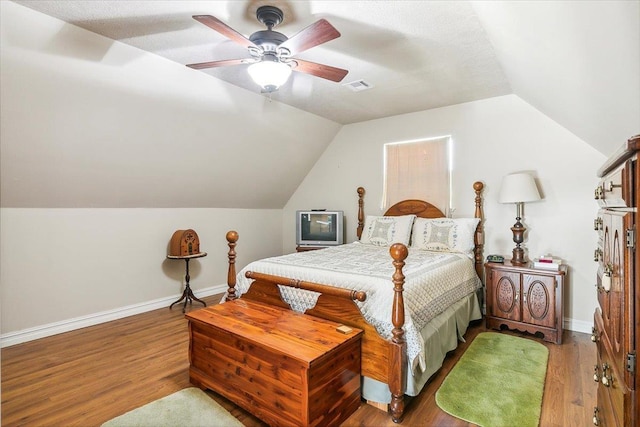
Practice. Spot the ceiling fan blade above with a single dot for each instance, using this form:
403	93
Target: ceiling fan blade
313	35
223	63
219	26
320	70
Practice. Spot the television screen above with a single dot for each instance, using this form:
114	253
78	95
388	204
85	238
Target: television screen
319	228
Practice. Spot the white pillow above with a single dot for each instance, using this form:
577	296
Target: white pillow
387	230
444	234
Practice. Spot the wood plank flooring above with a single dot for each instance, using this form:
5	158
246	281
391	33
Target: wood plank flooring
88	376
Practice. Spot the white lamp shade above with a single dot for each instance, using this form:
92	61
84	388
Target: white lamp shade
270	75
517	188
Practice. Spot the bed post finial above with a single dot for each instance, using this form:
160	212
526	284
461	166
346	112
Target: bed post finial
479	234
398	353
360	212
232	238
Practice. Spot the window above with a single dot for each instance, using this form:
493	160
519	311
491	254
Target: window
419	169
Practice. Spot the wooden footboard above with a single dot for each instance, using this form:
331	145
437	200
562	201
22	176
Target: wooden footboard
382	360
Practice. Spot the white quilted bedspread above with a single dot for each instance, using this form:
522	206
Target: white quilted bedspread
433	281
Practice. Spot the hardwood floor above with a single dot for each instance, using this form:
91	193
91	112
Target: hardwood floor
88	376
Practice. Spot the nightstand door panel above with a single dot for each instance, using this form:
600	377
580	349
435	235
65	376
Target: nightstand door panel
538	300
505	295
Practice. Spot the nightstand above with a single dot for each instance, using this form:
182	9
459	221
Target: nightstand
525	298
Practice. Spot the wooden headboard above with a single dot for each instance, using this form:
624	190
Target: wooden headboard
423	209
419	208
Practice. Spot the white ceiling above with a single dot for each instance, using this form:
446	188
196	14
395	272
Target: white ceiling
576	61
417	55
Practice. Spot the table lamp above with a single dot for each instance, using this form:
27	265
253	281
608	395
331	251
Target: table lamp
518	188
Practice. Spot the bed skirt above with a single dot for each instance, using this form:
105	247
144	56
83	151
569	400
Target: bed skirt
440	335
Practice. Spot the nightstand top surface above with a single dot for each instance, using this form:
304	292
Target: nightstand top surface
507	265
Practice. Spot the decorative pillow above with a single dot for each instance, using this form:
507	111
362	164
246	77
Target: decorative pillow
387	230
444	234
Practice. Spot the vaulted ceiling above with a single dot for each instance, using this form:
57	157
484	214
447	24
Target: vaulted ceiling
578	62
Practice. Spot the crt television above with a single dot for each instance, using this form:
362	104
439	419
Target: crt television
319	228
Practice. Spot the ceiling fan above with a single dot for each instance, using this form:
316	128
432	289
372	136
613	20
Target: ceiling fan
272	52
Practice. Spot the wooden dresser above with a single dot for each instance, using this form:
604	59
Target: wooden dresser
615	330
286	368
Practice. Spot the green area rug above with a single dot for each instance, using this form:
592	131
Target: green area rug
190	407
498	382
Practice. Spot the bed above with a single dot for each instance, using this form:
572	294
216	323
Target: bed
413	300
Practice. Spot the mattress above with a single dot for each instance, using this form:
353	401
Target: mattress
434	282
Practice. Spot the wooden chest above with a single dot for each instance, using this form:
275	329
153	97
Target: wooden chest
286	368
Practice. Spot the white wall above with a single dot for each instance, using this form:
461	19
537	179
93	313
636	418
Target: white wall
583	70
90	127
491	138
106	151
91	122
69	265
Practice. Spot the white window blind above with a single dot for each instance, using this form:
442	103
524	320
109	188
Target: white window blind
418	170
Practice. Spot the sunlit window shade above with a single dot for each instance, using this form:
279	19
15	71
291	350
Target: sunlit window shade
418	170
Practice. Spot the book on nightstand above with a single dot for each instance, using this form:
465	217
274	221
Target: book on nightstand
548	262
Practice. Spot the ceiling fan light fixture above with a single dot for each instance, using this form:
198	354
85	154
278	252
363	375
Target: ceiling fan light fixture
273	55
269	74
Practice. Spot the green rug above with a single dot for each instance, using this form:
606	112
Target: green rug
498	382
190	407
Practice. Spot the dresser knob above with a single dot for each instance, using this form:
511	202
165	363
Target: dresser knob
597	255
597	224
596	420
599	192
596	373
606	277
606	379
594	336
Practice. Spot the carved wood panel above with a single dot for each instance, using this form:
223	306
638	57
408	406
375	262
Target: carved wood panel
617	299
506	295
603	297
539	300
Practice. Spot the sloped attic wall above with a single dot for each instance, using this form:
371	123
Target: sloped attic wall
576	61
107	150
491	138
96	123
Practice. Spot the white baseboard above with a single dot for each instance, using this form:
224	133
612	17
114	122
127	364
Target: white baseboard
12	338
578	325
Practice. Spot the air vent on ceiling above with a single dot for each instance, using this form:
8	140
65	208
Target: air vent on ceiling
358	85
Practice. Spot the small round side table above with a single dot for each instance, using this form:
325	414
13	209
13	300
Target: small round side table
187	295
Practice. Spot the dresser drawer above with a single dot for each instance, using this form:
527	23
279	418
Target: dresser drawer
604	301
603	414
612	389
610	192
611	380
